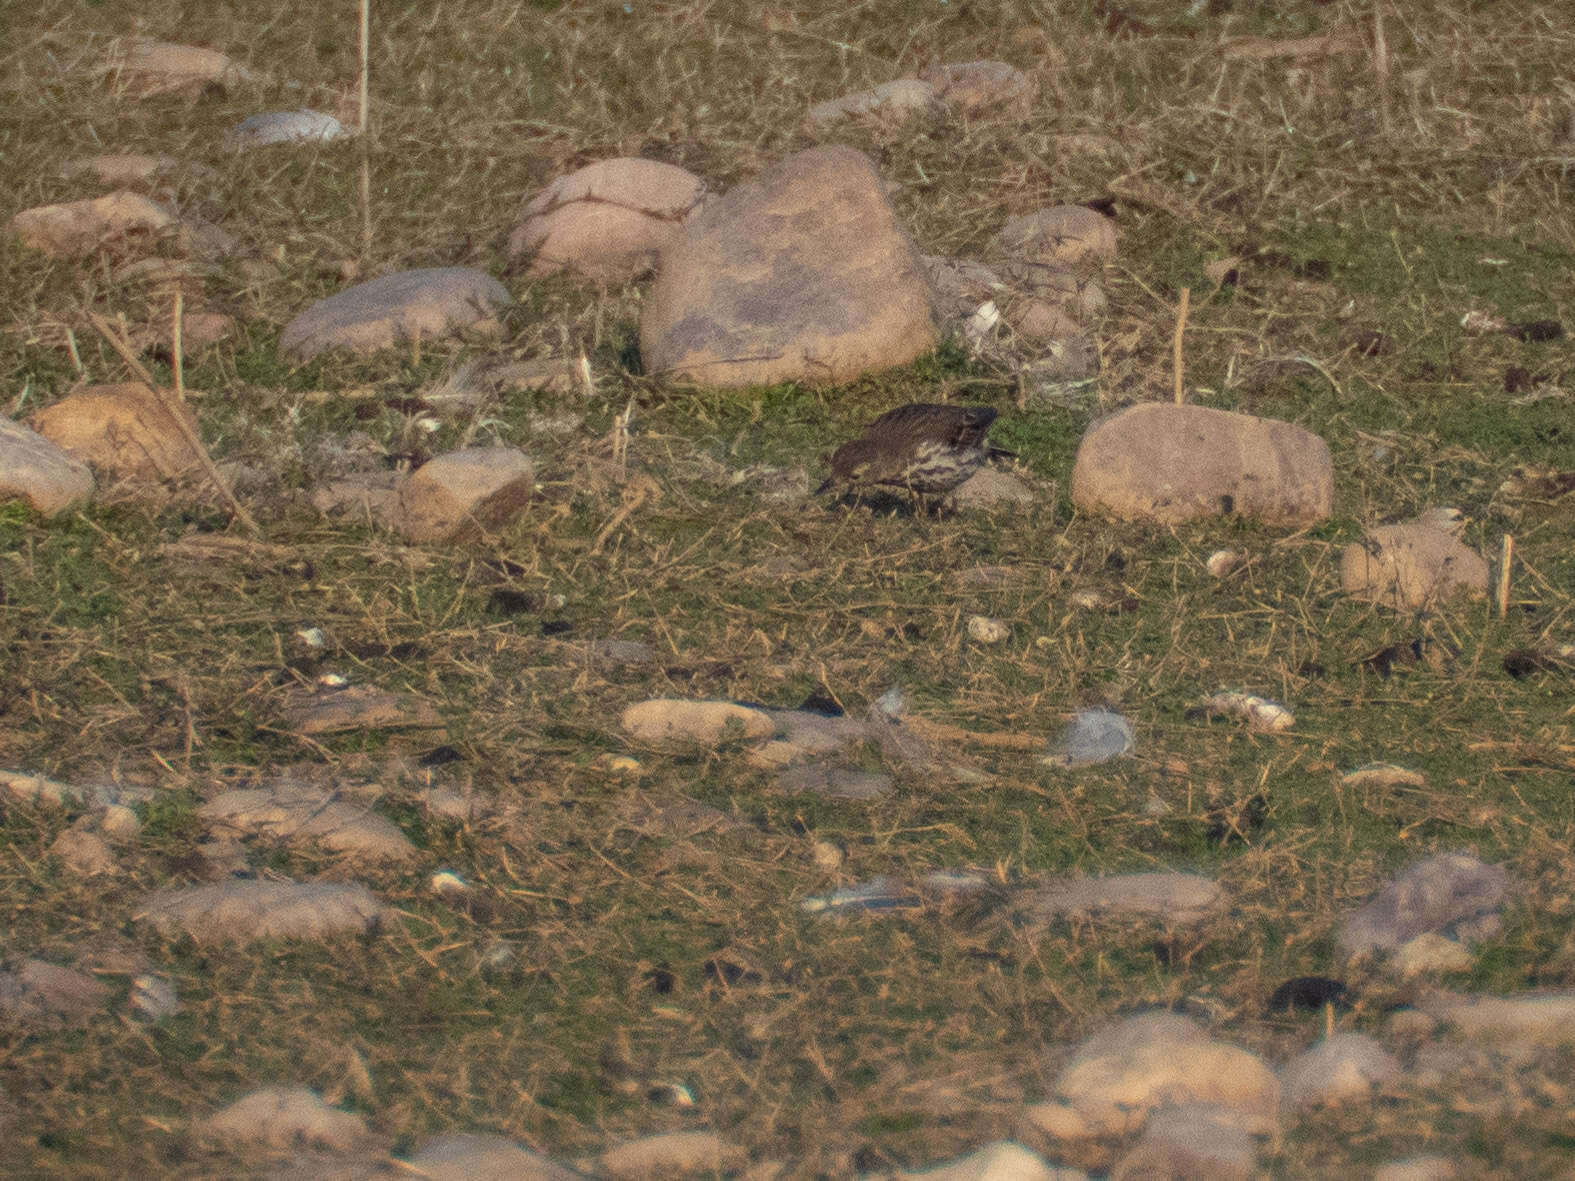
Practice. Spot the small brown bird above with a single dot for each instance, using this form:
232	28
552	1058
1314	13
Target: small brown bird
924	447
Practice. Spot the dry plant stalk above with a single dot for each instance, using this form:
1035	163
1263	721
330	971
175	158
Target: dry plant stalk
1175	346
175	406
1506	556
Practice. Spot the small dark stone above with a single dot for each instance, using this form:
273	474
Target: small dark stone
556	627
507	601
1517	379
1386	660
1537	330
1308	992
661	979
438	756
820	701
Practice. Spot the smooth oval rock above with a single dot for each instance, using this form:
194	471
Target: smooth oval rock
240	910
154	66
665	718
287	1117
1004	1160
40	472
1342	1067
1122	1073
804	274
1411	565
1168	463
901	98
465	493
611	220
427	303
285	127
125	430
1164	895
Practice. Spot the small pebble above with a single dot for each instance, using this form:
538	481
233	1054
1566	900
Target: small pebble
986	630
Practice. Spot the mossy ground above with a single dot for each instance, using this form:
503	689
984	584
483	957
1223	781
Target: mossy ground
1373	196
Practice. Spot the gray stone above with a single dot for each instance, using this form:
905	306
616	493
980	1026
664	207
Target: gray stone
460	495
38	471
79	228
298	813
1168	463
285	127
1003	1160
902	98
1343	1066
1453	894
41	992
153	67
671	1154
991	488
804	274
610	220
1192	1142
426	303
1537	1018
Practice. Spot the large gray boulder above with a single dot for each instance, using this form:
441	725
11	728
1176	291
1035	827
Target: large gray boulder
804	274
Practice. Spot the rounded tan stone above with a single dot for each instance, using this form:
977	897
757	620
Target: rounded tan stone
1411	565
464	493
666	718
1169	463
125	430
610	220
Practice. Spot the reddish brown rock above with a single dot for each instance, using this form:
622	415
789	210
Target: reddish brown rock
1163	462
610	220
126	431
804	274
